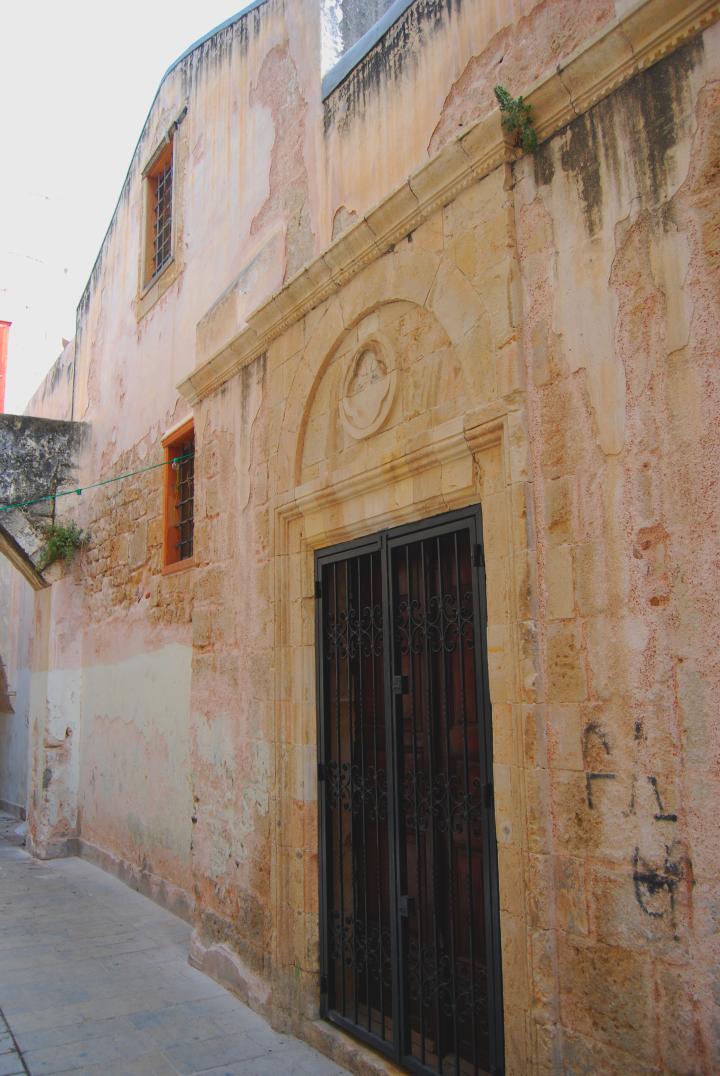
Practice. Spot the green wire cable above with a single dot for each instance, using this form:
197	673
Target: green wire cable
93	485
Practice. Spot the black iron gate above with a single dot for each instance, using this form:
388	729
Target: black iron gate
410	943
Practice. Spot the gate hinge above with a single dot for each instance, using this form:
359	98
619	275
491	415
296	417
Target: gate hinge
321	771
478	557
318	589
489	795
400	685
323	984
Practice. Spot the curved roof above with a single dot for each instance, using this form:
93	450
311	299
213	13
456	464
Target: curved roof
211	33
188	51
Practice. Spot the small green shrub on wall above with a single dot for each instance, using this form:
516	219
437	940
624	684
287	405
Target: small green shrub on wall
62	541
516	119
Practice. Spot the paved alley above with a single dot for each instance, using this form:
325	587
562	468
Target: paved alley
94	979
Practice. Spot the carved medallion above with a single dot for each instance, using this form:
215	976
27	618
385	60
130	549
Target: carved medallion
368	389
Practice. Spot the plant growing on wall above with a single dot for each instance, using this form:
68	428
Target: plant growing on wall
62	541
516	119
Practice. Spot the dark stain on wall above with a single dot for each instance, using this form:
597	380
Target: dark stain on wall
544	165
387	61
580	155
659	100
648	114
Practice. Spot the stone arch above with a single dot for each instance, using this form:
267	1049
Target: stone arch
419	277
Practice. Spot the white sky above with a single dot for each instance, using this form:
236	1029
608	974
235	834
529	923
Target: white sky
77	78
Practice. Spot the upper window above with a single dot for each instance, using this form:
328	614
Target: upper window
159	212
179	449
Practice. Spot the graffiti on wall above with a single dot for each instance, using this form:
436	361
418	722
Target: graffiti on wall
655	878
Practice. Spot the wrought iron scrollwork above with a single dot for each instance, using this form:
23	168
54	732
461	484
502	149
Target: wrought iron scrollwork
456	990
365	948
351	634
444	801
443	625
351	789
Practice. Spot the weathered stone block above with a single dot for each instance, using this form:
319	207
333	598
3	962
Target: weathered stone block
606	994
567	680
540	892
559	582
590	579
138	545
545	1002
644	904
559	509
565	738
571	909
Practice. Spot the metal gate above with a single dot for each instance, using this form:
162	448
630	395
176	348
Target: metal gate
410	942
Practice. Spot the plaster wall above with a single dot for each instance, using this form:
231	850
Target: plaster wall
53	397
135	796
120	666
15	600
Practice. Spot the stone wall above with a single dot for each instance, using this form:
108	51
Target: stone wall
620	279
549	333
40	456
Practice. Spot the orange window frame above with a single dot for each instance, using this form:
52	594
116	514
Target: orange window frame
163	161
175	529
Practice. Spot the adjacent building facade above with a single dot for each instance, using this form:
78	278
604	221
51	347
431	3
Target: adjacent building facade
392	662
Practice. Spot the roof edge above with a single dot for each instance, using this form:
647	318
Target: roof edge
211	33
252	6
357	52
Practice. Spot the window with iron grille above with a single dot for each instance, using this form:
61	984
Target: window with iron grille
159	213
179	496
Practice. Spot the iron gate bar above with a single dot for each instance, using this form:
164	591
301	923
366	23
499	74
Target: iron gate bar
340	816
445	689
381	954
430	756
489	836
417	815
467	831
446	724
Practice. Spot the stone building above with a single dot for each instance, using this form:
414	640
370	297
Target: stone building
392	665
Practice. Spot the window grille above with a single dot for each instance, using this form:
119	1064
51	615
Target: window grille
162	217
184	499
179	497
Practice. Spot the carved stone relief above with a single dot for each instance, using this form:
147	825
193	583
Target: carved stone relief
393	368
368	388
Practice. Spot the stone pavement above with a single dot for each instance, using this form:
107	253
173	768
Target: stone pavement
94	979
